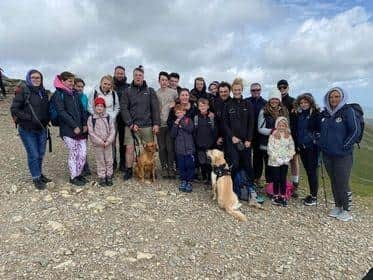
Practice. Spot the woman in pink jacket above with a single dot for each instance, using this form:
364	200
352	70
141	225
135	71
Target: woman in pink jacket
101	129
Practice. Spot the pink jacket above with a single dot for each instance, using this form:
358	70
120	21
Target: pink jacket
102	130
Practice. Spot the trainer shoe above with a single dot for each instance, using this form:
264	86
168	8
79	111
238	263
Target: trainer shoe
45	179
39	184
276	201
77	182
182	186
188	187
310	200
344	216
335	212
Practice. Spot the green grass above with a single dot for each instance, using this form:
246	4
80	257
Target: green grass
362	171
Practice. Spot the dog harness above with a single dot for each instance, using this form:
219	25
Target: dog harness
221	170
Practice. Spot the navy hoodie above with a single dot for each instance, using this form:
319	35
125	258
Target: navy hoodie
339	128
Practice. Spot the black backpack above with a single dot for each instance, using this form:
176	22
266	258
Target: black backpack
359	113
94	121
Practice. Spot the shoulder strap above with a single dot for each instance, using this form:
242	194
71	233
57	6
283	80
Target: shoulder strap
113	93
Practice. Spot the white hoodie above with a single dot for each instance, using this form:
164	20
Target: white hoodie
111	109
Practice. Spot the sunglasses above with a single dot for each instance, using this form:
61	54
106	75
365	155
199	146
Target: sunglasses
282	87
256	90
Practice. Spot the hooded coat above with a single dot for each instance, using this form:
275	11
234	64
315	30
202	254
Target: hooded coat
339	129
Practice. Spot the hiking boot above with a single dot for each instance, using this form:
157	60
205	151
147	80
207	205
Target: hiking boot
344	216
127	174
310	200
102	182
335	212
39	184
77	182
45	179
182	186
109	181
83	179
164	172
188	187
276	200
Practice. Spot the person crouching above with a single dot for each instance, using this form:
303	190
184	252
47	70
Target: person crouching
101	130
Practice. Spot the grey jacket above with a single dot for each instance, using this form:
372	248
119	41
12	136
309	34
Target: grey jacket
139	105
183	135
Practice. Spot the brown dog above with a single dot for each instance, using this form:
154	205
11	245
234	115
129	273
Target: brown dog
145	167
222	185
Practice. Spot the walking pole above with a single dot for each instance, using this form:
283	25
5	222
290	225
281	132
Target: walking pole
323	183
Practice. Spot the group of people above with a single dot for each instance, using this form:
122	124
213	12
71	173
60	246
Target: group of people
255	134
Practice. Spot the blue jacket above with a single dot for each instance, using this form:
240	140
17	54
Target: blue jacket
183	135
307	128
339	128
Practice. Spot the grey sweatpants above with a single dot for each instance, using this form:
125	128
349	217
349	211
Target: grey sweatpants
339	171
166	147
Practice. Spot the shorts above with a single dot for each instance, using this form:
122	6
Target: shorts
143	136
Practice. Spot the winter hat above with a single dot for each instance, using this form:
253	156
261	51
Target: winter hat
274	93
100	100
282	83
279	119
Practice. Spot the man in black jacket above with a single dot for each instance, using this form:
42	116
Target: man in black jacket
288	101
120	85
258	102
239	125
141	113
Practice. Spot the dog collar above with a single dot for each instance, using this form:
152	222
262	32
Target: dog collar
221	170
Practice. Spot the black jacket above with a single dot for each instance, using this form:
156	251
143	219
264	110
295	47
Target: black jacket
71	113
217	106
258	104
120	87
139	105
22	112
239	119
195	95
288	102
205	131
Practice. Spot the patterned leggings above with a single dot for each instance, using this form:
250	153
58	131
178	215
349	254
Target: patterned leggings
77	155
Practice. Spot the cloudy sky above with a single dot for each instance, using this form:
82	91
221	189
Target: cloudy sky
313	44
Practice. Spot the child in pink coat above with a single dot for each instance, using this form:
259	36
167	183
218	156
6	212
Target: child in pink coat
101	130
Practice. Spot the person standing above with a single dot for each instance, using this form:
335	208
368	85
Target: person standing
258	103
288	102
339	131
120	86
73	125
166	97
30	110
140	111
174	82
199	90
2	95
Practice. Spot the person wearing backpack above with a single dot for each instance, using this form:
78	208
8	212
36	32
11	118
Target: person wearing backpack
306	132
72	121
101	129
205	137
341	127
79	85
105	90
30	110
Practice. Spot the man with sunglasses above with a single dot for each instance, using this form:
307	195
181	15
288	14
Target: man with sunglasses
288	102
258	102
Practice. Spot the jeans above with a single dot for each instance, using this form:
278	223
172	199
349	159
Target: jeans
186	165
35	143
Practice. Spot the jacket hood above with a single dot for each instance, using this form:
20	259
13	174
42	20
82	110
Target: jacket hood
40	89
99	91
344	100
309	97
279	119
59	85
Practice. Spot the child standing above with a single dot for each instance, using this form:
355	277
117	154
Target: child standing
101	129
205	136
182	132
280	152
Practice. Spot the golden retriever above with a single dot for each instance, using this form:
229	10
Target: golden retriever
222	186
145	167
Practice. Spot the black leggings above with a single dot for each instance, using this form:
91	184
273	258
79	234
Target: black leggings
279	174
310	157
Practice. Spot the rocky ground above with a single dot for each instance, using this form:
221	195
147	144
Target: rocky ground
151	231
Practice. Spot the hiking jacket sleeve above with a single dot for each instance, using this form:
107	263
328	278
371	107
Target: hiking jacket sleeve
156	114
95	139
262	124
111	137
17	108
62	113
124	107
353	128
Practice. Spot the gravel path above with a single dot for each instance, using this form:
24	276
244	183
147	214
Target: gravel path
151	231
